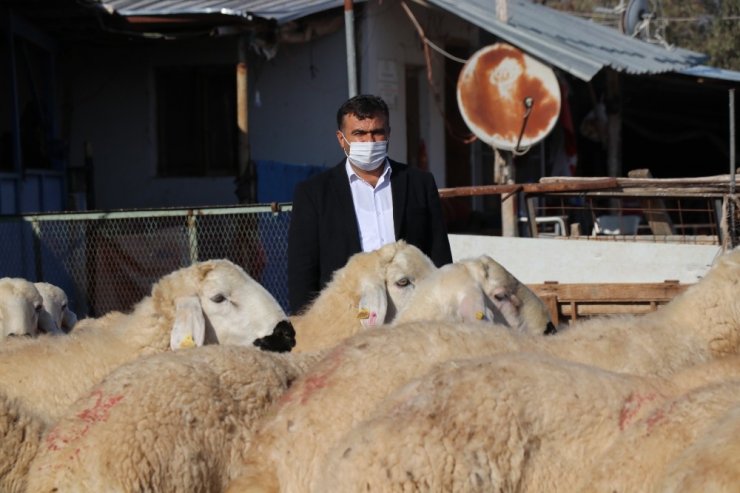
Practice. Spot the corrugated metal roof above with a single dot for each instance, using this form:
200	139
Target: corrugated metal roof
712	73
578	46
280	10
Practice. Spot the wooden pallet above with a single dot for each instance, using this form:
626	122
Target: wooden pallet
569	302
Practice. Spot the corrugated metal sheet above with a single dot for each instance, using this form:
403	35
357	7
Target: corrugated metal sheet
578	46
280	10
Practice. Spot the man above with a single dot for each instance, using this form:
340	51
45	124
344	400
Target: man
361	204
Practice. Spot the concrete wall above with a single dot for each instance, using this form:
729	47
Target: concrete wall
535	261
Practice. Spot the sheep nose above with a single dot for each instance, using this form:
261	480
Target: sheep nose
281	340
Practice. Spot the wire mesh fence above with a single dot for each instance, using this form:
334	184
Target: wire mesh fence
109	260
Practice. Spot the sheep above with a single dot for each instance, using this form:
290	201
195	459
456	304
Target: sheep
518	422
20	306
700	324
167	422
56	317
20	435
80	459
367	292
710	463
209	302
480	288
658	445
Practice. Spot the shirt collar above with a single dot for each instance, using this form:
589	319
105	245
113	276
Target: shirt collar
385	175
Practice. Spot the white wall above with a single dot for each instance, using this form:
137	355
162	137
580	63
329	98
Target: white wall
389	36
534	261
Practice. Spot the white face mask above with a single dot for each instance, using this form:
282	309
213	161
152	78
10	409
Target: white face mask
367	155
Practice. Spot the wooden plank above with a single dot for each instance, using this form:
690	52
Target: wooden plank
571	301
611	292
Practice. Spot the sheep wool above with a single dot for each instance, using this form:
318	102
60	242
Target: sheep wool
167	422
701	324
515	422
20	436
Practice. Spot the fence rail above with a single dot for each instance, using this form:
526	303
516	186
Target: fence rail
109	260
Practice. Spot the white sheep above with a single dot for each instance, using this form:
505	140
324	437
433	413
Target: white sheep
656	447
82	459
711	463
367	292
20	436
209	302
20	306
698	325
519	421
168	422
477	288
56	317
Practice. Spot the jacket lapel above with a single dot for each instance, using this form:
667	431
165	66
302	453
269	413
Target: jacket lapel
345	205
399	182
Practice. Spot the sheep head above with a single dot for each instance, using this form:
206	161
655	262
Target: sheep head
56	314
386	278
511	302
474	289
20	307
216	302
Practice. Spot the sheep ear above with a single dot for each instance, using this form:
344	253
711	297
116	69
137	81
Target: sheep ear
373	305
189	327
472	306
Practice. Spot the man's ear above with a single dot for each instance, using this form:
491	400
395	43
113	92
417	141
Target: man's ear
340	139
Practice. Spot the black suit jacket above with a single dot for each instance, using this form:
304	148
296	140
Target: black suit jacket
324	233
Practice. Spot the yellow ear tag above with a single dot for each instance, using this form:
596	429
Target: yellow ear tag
364	313
480	315
187	342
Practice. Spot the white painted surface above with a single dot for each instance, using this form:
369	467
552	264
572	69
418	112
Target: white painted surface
535	261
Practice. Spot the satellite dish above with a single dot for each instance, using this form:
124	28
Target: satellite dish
633	17
507	98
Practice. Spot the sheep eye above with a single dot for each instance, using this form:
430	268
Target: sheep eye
402	283
219	298
64	307
38	308
500	296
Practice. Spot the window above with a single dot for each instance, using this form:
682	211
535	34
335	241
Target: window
196	121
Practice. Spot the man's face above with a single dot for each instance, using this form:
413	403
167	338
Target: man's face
368	130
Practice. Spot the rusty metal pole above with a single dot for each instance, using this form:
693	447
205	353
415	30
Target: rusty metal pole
349	30
504	172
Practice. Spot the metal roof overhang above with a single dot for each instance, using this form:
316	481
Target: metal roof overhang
281	11
577	46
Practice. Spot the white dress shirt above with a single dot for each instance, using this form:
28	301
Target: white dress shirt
373	208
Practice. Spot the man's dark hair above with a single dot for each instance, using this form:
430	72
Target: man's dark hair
362	106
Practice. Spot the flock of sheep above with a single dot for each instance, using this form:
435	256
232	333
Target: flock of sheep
399	377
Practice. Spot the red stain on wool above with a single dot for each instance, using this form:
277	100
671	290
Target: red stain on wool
100	411
315	381
632	406
657	416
